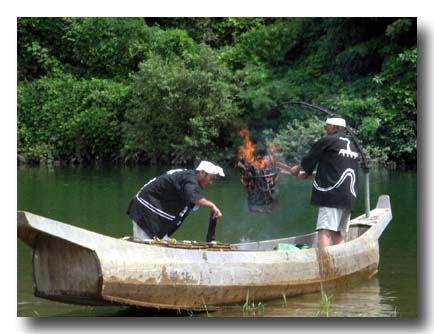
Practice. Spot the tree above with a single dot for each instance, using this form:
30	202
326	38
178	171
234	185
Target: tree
183	109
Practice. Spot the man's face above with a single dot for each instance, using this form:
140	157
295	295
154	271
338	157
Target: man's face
330	129
204	179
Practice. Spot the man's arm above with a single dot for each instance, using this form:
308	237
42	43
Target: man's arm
214	210
297	170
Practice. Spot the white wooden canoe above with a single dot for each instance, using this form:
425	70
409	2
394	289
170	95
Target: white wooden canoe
74	265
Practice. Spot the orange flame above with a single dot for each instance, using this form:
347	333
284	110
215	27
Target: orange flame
246	152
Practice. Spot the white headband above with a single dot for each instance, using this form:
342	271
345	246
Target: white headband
210	168
336	121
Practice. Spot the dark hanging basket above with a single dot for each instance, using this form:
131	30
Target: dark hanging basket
261	185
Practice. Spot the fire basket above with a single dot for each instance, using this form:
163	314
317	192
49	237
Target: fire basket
260	186
259	175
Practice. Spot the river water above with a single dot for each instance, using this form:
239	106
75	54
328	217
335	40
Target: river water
96	199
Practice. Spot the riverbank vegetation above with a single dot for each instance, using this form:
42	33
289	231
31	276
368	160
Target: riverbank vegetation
177	90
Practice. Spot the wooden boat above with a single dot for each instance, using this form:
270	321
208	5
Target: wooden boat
74	265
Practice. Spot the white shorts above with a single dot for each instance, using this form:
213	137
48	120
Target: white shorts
139	234
333	219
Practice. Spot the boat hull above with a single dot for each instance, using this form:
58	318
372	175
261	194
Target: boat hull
74	265
200	297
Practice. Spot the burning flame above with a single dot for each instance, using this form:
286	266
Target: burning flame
246	152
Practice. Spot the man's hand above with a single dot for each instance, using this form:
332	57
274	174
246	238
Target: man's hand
303	175
295	170
298	171
215	212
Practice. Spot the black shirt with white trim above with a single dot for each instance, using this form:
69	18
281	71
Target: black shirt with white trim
335	158
162	204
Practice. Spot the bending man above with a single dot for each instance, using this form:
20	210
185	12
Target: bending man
162	204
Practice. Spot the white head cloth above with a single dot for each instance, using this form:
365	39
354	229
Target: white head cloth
336	121
210	168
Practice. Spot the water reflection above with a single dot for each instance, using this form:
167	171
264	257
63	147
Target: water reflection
361	300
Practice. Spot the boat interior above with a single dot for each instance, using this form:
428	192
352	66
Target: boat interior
291	243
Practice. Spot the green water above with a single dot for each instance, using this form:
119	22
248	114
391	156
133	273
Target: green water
97	198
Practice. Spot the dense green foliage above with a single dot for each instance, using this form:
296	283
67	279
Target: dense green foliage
176	90
297	138
64	118
184	106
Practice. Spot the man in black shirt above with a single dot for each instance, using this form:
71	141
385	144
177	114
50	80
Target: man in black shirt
335	186
162	204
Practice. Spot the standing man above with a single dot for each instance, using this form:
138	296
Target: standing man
162	204
335	185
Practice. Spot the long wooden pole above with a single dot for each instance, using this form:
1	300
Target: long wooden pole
210	236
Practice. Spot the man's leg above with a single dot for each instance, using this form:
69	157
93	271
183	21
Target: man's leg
325	225
323	238
344	223
141	235
138	233
337	237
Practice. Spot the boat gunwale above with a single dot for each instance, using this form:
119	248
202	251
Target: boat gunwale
31	235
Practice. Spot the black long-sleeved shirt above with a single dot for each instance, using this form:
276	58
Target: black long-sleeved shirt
163	203
335	184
